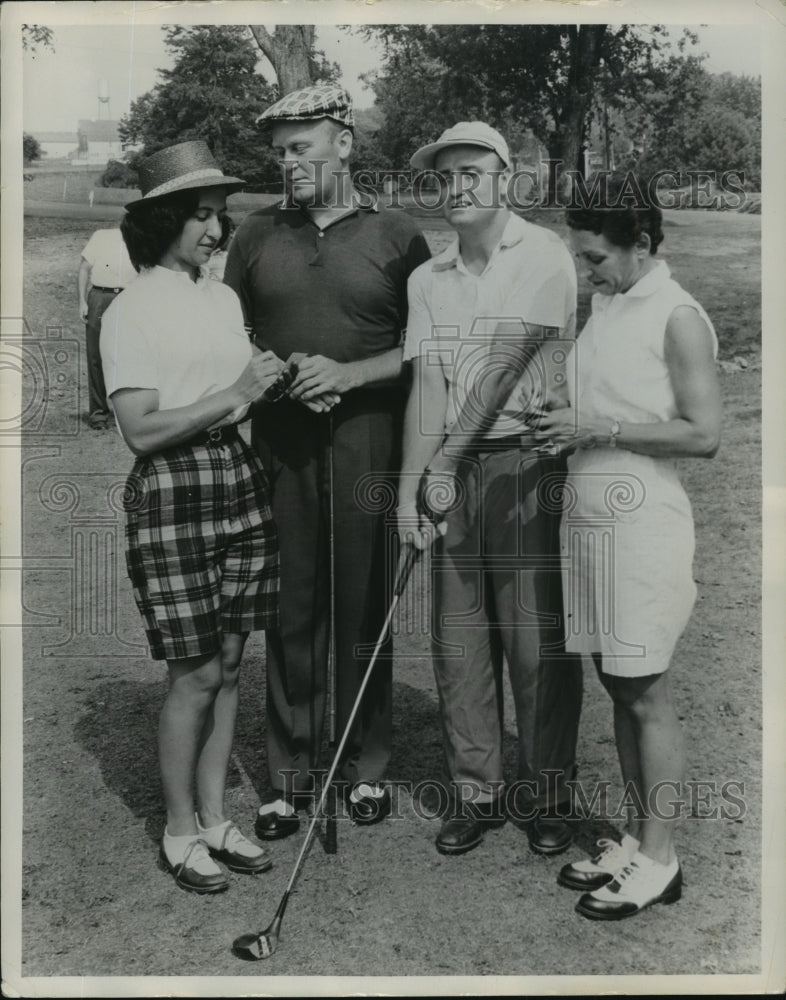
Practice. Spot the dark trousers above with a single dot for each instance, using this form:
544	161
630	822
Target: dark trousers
497	594
98	301
294	446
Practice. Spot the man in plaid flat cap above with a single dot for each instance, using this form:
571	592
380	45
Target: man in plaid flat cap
324	276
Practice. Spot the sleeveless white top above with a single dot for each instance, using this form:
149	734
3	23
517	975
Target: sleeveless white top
627	530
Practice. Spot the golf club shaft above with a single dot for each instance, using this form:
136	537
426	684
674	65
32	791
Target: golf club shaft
332	544
405	568
331	832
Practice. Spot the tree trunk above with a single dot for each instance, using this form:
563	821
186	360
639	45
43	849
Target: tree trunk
585	53
289	50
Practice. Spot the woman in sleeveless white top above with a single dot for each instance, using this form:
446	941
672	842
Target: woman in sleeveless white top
644	392
627	528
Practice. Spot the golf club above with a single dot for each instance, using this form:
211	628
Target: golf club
331	823
253	947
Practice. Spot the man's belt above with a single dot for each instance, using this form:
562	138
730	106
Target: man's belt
526	441
103	288
216	436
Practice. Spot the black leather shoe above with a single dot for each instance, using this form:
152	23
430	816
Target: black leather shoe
275	825
369	809
459	835
189	879
549	835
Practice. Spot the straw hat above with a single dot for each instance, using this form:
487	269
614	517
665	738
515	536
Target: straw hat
180	167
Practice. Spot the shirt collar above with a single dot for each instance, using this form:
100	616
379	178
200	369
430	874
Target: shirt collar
513	233
360	203
652	282
168	274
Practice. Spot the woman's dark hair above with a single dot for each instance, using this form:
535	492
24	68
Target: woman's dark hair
621	210
227	229
149	229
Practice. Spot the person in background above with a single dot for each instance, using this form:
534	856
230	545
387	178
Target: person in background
104	271
645	393
201	545
491	322
324	276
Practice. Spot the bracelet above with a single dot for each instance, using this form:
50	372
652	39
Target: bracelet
614	433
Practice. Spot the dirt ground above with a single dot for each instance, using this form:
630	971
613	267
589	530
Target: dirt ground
94	903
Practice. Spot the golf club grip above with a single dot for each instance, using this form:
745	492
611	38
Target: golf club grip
404	569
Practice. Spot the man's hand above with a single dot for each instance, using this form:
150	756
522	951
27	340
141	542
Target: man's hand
83	310
440	490
318	376
323	403
414	528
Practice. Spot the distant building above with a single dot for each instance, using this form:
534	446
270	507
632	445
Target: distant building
98	142
57	145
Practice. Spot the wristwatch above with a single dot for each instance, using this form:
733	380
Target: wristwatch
614	433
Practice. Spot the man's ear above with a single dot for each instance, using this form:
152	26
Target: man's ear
504	183
344	143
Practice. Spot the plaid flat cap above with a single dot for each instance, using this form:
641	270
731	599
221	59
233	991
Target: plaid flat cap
324	101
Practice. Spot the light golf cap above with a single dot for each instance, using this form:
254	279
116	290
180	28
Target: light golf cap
462	134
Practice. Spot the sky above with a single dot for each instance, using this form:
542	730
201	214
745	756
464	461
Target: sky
61	87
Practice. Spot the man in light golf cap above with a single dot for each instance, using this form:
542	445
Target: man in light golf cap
324	276
491	322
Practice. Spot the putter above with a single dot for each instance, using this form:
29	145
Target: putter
331	823
253	947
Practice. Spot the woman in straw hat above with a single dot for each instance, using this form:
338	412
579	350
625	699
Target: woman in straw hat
202	551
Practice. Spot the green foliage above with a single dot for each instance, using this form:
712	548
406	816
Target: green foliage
31	148
213	92
714	123
515	77
569	85
121	174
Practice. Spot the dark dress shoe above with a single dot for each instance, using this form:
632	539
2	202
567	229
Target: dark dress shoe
459	835
369	809
276	825
189	879
549	835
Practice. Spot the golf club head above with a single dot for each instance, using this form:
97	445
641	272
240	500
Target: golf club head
253	947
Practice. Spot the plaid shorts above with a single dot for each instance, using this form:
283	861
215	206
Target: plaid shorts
202	549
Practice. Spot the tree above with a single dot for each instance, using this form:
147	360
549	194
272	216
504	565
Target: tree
544	77
31	148
702	121
289	51
121	173
212	92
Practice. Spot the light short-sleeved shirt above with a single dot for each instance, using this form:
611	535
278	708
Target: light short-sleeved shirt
454	315
184	339
110	265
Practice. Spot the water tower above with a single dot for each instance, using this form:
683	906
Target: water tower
103	97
